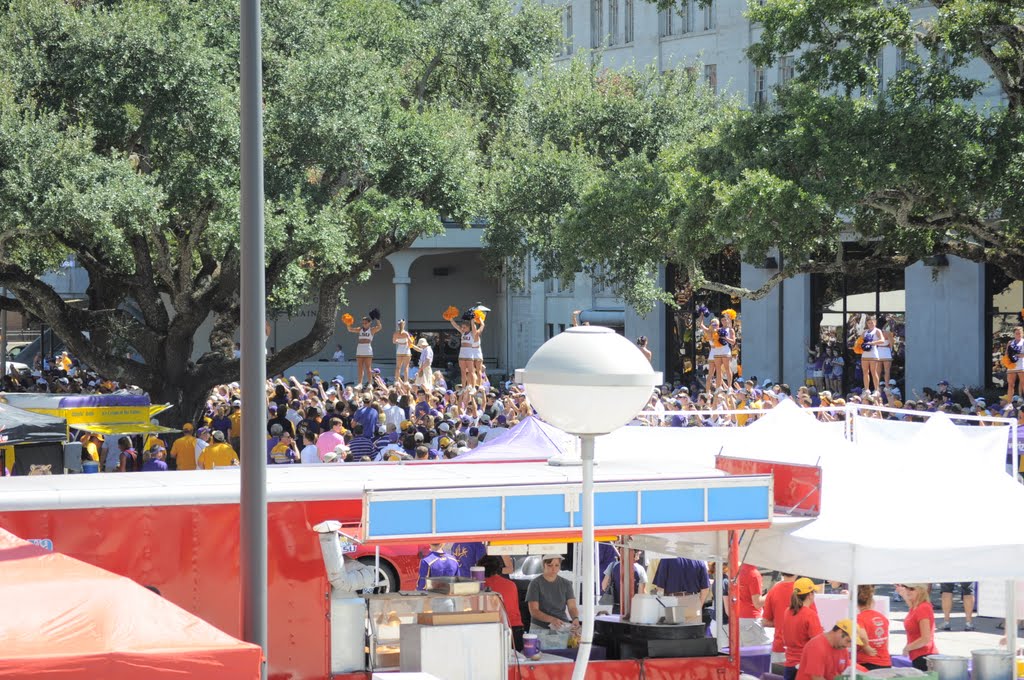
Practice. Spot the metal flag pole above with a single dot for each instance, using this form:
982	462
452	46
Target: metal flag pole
253	510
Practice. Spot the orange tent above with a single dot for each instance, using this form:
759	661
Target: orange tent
69	619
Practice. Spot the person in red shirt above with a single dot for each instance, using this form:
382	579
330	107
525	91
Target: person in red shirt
875	627
749	587
749	600
776	602
800	624
497	583
825	656
919	624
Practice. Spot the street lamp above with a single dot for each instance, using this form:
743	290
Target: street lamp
587	381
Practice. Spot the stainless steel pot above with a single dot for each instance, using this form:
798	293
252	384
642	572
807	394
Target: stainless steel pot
948	667
993	664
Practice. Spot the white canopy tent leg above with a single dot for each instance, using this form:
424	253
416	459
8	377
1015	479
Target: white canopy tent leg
852	586
1011	616
719	575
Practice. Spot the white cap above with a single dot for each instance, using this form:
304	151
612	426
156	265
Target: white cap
545	558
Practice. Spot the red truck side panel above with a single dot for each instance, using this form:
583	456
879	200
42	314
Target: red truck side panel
190	553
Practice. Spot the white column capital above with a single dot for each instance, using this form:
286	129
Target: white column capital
401	280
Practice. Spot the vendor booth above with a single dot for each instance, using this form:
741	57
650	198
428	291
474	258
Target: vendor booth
65	618
30	439
118	413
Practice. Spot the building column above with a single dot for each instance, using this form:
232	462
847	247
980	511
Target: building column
946	324
401	262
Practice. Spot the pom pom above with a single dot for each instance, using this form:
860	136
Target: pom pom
347	319
858	347
374	314
480	315
468	315
450	313
731	313
1008	362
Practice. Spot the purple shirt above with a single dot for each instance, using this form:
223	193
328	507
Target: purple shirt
367	417
154	465
467	555
436	564
682	575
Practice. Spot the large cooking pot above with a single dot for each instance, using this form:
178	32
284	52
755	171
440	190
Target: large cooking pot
948	667
993	664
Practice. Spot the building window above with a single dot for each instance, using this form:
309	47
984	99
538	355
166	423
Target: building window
711	76
596	23
902	61
1006	312
613	22
551	331
628	27
678	20
760	94
709	16
567	32
786	70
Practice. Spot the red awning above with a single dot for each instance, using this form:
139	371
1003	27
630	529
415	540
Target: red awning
66	618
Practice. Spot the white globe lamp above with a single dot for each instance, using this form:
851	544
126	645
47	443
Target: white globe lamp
588	380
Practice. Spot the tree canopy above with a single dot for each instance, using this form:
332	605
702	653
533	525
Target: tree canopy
119	144
928	161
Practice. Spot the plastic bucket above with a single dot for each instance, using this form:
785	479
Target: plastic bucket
90	467
948	667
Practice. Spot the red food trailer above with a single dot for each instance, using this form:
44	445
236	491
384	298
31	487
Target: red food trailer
179	532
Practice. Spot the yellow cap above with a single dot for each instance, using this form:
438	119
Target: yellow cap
846	626
804	585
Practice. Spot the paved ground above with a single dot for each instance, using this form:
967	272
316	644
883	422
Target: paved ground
957	642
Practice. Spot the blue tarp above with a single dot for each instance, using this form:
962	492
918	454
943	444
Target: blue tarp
531	439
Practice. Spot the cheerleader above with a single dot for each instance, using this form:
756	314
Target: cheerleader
885	351
718	350
873	343
641	343
470	354
727	335
1014	363
367	328
403	352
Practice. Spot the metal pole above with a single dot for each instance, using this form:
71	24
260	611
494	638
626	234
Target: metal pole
720	633
253	543
3	333
734	619
853	613
589	586
1011	616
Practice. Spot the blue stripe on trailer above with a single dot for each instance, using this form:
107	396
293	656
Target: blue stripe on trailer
672	506
536	512
463	515
738	503
401	518
615	509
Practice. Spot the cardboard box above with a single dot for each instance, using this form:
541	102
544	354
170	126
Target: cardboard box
456	618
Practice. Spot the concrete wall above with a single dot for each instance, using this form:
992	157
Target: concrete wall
761	323
945	324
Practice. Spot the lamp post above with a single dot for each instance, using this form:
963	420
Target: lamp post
588	381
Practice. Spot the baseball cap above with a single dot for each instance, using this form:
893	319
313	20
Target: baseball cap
846	626
218	435
943	382
444	427
552	556
203	430
444	442
485	419
767	382
273	407
892	381
917	586
804	585
502	420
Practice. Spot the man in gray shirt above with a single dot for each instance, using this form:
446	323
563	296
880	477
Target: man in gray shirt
549	596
